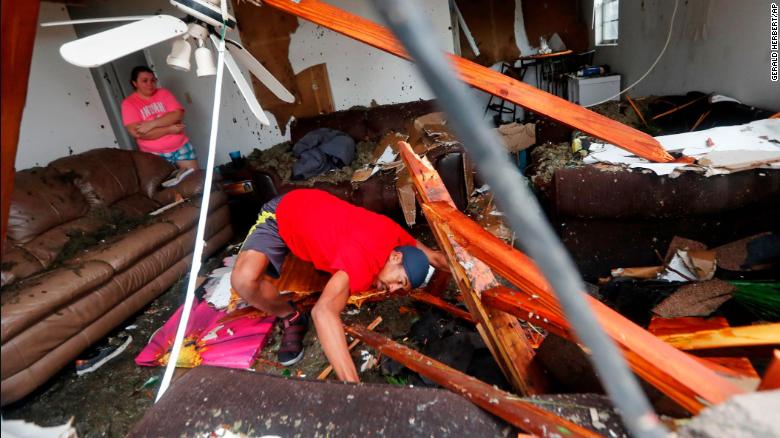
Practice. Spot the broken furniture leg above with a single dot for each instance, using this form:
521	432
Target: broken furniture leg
501	332
673	372
506	406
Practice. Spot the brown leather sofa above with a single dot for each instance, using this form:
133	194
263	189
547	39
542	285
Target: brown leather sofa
54	307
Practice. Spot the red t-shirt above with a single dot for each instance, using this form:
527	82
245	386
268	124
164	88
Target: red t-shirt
337	236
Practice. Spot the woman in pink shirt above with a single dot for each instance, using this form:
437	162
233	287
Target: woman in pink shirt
154	118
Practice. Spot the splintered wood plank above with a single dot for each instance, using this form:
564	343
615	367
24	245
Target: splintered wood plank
504	405
730	337
684	324
441	304
771	379
483	78
329	369
299	276
501	331
673	372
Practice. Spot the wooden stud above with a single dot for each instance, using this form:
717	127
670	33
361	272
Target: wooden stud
678	108
771	378
510	408
636	110
731	337
501	331
329	369
441	304
673	372
483	78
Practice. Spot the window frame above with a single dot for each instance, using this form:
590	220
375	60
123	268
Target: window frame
599	23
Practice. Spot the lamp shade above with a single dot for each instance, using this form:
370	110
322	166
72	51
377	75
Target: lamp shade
179	57
205	62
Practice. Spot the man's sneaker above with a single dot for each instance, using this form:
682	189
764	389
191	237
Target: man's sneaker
294	328
103	355
177	176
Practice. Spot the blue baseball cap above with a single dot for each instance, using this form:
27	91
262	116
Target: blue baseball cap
415	264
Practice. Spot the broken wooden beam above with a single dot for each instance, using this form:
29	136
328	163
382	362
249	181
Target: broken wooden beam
676	374
483	78
771	379
636	110
730	337
443	305
510	408
501	331
329	369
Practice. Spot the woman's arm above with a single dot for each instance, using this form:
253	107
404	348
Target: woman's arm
170	118
327	319
154	133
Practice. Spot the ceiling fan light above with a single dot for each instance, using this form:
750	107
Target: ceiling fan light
205	62
179	58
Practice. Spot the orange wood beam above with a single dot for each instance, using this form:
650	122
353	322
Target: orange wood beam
675	373
441	304
730	337
501	331
504	405
771	379
19	22
483	78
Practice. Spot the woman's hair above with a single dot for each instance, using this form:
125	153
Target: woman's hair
137	71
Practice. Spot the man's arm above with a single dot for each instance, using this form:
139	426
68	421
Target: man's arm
436	258
327	319
170	118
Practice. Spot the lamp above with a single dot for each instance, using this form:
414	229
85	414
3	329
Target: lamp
205	61
179	58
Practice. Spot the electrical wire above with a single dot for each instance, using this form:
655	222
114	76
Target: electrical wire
523	212
658	58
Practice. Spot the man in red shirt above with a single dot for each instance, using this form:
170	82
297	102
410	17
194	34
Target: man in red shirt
362	250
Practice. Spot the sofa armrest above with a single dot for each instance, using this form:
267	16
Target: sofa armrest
189	187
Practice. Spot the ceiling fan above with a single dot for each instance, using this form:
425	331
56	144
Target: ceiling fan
205	20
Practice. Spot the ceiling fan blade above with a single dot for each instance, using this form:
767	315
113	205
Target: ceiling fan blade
243	56
103	47
95	20
244	87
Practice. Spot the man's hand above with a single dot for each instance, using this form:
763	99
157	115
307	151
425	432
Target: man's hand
327	319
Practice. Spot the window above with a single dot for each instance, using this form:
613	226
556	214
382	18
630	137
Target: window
605	20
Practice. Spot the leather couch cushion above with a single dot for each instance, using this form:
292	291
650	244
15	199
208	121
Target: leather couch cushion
152	170
17	264
185	215
136	205
189	187
124	250
26	302
104	176
47	246
42	198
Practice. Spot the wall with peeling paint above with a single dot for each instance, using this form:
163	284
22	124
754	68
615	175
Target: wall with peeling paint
359	73
63	113
717	46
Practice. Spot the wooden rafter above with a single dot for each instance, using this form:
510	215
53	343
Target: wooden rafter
504	405
483	78
501	331
672	371
730	337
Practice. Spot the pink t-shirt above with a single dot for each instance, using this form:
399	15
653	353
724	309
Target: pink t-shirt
138	109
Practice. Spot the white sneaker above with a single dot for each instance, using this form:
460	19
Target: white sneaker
177	176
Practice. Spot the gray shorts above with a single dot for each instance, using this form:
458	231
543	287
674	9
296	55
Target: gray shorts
264	237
